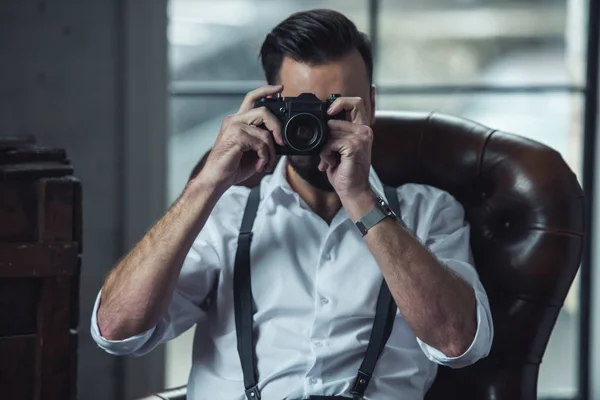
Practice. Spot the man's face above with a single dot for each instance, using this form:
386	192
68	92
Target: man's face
347	76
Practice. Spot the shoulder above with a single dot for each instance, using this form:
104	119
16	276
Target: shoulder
232	201
230	207
425	207
425	196
229	210
224	221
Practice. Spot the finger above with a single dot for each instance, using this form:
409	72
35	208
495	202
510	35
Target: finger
322	165
256	94
328	161
262	116
354	106
252	143
266	138
342	129
338	129
330	153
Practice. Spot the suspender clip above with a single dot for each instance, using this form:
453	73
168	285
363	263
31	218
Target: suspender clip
253	393
360	385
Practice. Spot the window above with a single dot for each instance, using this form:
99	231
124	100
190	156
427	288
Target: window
485	42
515	65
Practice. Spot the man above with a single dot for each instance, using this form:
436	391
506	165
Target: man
315	277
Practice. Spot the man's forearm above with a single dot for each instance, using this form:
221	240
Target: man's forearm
439	305
137	292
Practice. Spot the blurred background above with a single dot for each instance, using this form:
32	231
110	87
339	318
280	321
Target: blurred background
515	65
136	91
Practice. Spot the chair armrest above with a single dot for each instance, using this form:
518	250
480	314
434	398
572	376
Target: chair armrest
179	393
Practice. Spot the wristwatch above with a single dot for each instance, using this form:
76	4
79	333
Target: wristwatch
375	216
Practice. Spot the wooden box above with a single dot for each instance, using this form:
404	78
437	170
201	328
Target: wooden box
40	248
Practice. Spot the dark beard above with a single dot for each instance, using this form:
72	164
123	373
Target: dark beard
307	168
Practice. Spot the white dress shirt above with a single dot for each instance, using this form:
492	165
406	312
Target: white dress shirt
315	286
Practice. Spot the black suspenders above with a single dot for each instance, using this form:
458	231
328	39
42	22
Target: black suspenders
242	298
243	304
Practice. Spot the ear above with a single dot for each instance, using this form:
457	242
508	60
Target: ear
372	100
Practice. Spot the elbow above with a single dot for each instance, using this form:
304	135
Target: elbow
466	341
463	332
113	329
460	341
110	333
107	328
458	346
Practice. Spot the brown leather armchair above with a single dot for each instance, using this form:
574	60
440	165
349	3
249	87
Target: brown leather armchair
526	211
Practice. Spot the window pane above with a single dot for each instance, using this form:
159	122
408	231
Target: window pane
494	42
554	119
195	124
220	40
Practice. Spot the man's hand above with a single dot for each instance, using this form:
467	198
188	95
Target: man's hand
347	154
241	148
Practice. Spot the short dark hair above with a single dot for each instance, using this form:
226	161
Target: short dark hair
313	37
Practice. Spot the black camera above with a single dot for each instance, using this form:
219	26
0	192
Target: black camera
303	119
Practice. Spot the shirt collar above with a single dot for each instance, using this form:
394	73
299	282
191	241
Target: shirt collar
278	181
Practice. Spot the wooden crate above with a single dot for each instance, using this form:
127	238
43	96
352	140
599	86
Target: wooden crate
40	258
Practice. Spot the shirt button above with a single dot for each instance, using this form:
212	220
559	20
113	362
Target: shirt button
318	344
324	301
313	381
328	257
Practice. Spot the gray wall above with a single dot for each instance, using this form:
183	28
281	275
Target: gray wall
595	296
90	77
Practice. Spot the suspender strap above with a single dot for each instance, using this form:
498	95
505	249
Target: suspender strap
385	316
242	298
243	305
382	328
391	194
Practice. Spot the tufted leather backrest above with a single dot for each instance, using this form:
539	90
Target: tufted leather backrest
526	211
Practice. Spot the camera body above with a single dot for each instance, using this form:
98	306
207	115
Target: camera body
304	121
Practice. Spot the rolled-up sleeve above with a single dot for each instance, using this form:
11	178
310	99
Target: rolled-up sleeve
448	239
195	283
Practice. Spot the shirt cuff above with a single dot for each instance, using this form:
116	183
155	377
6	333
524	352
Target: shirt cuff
480	346
117	347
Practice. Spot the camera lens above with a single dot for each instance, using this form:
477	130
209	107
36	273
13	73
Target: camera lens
303	132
